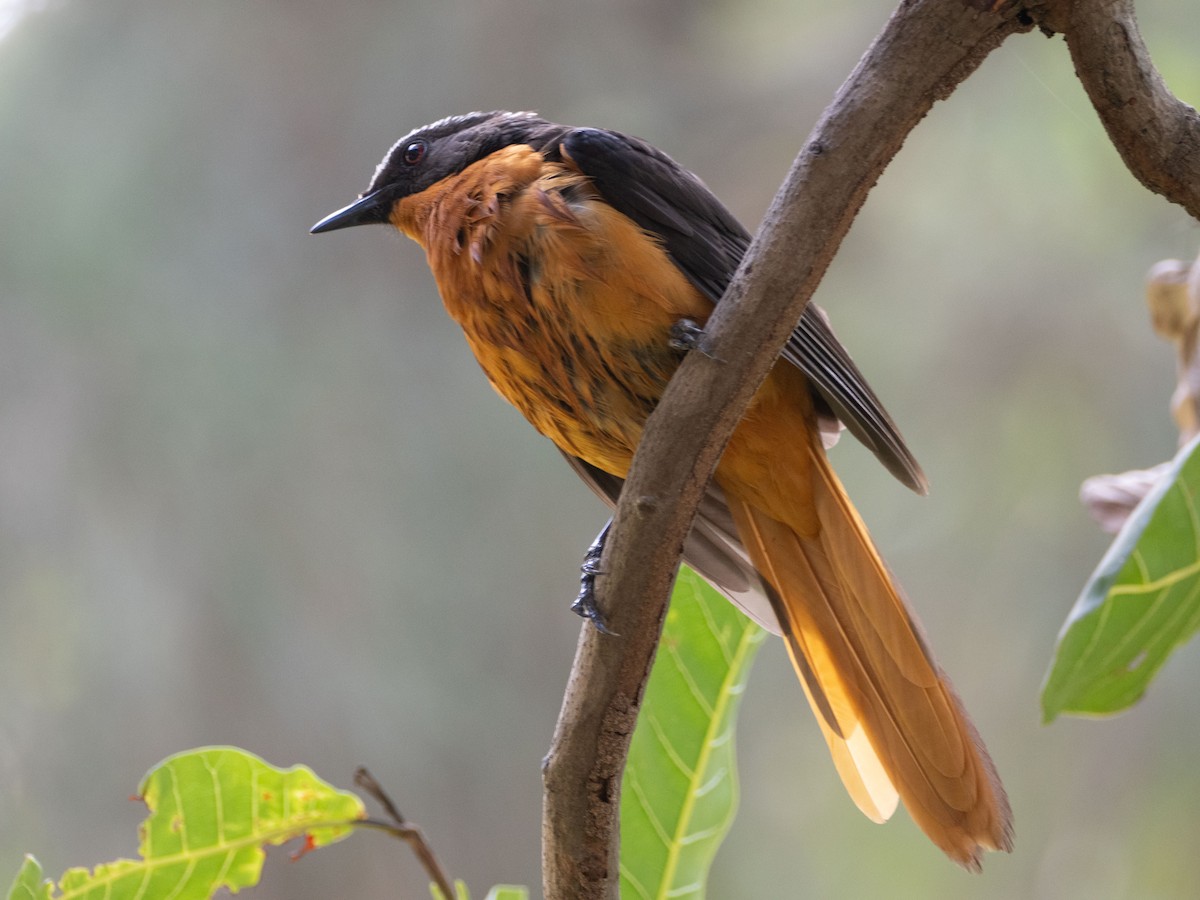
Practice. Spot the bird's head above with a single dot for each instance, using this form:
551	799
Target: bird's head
424	157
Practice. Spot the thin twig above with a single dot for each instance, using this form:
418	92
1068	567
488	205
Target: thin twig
403	829
924	52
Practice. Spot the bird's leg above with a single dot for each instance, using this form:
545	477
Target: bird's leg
585	604
685	335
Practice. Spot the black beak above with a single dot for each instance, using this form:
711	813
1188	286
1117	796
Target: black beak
372	209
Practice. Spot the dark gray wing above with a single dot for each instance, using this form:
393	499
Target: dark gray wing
815	350
707	243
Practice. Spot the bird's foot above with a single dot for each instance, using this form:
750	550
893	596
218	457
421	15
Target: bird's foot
585	603
685	335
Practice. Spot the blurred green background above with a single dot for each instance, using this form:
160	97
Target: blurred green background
254	490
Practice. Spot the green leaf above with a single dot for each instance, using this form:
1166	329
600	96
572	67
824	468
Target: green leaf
28	885
499	892
507	892
211	812
1141	603
680	789
460	891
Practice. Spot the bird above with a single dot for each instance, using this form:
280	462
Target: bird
582	264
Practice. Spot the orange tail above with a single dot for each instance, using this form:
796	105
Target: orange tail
894	725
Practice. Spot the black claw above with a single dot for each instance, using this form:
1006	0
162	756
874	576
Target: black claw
685	335
585	604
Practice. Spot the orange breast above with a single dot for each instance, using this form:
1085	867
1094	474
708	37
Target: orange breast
566	303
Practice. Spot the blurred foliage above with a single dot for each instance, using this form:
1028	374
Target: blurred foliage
679	791
1141	603
253	489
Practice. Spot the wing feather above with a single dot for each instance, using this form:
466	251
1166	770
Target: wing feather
707	243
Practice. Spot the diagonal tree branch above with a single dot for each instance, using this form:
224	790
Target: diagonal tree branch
925	50
1157	135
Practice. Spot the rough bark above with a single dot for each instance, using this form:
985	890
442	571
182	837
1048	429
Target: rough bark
1157	134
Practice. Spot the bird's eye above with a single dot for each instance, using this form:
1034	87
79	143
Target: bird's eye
414	153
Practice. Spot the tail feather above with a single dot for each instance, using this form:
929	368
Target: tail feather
894	726
857	763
